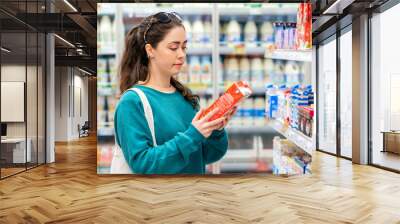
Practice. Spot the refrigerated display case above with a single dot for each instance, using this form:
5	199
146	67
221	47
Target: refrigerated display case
227	42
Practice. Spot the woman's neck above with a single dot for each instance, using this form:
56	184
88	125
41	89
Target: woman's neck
159	82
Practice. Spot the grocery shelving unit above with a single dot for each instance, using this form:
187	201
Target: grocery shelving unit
217	50
304	142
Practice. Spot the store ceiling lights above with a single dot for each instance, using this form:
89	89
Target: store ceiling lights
65	41
70	5
5	49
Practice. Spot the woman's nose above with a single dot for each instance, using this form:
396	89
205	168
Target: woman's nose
181	53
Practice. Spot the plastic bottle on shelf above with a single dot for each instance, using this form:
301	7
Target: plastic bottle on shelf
207	33
101	69
257	73
222	31
268	70
247	119
279	75
292	72
188	28
233	32
244	66
184	74
198	32
114	33
206	70
271	102
267	33
195	69
231	70
250	33
259	111
278	35
106	32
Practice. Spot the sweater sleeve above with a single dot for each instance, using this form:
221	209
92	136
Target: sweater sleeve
134	138
215	146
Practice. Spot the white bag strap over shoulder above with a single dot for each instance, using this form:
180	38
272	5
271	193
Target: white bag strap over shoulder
148	112
118	164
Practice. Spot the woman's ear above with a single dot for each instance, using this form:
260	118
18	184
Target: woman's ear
149	50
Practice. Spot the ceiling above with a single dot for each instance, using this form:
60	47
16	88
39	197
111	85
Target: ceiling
72	20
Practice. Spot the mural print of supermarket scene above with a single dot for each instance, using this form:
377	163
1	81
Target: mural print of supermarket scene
239	95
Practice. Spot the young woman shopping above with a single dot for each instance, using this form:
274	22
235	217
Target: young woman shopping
154	53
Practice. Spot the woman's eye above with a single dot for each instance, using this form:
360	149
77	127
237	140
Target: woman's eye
174	49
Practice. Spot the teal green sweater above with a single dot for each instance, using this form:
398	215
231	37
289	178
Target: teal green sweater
181	149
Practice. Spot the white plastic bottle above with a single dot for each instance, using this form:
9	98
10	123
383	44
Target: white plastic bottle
195	69
259	111
188	29
198	32
267	33
268	70
231	70
233	32
206	70
292	72
106	32
250	33
257	73
184	74
279	74
244	67
247	119
207	33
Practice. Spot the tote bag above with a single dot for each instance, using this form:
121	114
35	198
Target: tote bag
119	165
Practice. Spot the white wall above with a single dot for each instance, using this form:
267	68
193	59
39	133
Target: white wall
69	85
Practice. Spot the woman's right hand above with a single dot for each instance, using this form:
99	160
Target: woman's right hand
204	126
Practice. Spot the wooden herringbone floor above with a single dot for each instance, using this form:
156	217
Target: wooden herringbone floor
70	191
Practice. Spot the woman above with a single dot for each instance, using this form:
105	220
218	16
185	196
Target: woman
155	53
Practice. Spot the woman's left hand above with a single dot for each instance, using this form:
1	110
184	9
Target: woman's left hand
228	117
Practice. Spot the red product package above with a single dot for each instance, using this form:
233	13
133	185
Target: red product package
237	92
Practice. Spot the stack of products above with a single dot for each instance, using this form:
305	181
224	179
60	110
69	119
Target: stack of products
197	71
303	35
291	106
288	159
198	31
260	71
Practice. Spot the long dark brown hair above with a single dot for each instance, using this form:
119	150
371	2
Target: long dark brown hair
134	65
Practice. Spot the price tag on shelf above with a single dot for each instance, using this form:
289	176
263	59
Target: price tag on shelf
239	49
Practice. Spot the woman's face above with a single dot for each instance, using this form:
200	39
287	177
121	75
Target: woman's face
170	54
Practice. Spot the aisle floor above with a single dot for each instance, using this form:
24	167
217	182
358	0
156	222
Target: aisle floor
70	191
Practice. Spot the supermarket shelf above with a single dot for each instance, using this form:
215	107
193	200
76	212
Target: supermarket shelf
181	9
249	129
241	49
293	55
105	92
259	91
206	92
298	138
239	10
106	52
105	131
246	155
206	50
